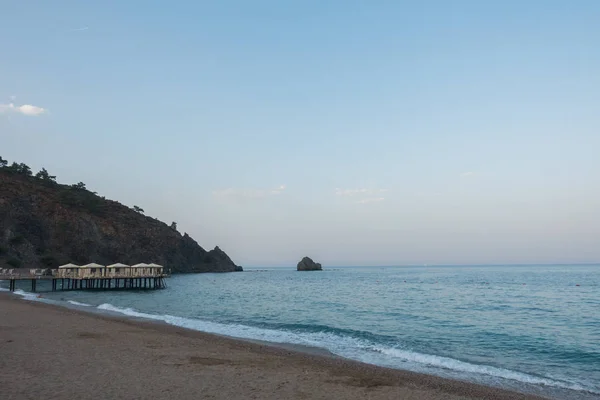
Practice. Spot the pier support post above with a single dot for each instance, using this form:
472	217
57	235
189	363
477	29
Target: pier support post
102	283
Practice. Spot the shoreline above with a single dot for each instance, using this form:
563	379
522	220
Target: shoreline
285	371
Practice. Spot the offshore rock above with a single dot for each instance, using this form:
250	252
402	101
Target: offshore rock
307	264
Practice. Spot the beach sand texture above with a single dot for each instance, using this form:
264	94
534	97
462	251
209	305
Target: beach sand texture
50	352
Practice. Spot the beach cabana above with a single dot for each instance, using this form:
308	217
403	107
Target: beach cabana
92	271
68	271
139	269
118	270
155	269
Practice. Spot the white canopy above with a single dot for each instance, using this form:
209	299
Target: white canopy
117	265
92	265
69	265
155	265
140	265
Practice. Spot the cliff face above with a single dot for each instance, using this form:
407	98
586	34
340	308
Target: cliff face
44	224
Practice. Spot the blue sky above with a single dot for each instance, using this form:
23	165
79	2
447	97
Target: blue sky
358	133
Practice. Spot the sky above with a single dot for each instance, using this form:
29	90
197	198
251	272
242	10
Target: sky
354	132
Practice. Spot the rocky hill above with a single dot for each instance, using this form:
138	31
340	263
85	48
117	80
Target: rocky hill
45	224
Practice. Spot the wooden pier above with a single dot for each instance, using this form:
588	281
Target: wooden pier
59	284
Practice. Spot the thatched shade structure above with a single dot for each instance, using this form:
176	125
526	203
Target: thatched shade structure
68	271
91	271
118	270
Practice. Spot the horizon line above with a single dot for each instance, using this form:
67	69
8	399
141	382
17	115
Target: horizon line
441	265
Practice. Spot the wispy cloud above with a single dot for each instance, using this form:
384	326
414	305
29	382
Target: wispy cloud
248	193
25	109
467	174
83	28
366	195
371	200
278	190
358	192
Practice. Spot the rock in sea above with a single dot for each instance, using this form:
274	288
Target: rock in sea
307	264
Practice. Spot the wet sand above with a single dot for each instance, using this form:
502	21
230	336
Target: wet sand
51	352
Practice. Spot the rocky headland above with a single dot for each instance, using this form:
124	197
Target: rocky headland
44	224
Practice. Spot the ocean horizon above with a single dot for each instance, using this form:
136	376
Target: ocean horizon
249	267
535	330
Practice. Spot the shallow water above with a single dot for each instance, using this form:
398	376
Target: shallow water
528	328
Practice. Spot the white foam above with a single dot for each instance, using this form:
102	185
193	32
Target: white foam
76	303
35	297
239	331
461	366
346	346
27	295
129	311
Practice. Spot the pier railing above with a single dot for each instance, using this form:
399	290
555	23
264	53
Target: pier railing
87	283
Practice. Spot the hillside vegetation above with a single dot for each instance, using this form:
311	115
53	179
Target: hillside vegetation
44	224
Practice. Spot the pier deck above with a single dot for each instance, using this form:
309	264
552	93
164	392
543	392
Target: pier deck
101	283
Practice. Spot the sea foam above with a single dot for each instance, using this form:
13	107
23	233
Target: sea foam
345	346
76	303
461	366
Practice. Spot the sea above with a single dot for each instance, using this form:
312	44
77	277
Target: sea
529	328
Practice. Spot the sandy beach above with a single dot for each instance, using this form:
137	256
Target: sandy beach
51	352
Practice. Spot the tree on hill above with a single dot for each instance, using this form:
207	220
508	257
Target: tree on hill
138	209
3	162
20	168
79	186
45	176
174	225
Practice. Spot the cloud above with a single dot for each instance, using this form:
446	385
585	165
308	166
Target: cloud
279	190
25	109
371	200
30	110
84	28
248	193
358	192
467	174
367	195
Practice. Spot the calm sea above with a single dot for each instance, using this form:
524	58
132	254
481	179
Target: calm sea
530	328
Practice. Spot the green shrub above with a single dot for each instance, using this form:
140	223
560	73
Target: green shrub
82	199
49	261
16	240
14	262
